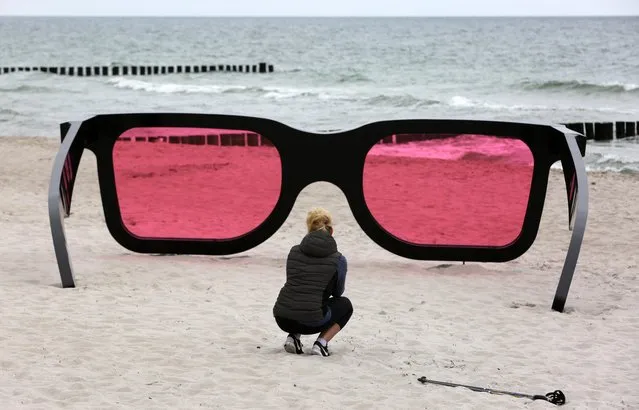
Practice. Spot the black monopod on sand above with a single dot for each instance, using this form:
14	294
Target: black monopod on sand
555	397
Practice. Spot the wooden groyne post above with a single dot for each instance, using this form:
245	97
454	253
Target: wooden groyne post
605	131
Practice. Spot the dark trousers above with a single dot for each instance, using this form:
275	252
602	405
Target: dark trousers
341	311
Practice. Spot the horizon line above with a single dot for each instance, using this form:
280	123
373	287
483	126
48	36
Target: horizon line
321	16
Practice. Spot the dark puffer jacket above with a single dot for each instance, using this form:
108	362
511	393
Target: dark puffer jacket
311	274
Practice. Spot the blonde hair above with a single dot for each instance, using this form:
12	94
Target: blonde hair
318	219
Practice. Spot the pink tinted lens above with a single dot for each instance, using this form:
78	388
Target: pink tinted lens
195	183
466	190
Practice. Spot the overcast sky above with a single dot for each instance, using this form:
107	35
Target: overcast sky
319	7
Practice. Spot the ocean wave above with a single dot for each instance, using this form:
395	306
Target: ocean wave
465	102
270	92
23	88
289	70
336	93
579	85
171	88
7	112
615	169
627	169
611	161
281	93
275	92
401	100
353	78
607	162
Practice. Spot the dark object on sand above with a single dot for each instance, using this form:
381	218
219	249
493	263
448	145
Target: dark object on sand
556	397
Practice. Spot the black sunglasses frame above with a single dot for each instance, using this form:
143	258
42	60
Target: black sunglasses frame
548	144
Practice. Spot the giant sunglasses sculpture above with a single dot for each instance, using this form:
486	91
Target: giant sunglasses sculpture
445	190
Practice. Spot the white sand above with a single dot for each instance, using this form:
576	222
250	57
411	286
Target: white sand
144	331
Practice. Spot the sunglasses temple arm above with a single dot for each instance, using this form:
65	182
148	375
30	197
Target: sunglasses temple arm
579	216
65	167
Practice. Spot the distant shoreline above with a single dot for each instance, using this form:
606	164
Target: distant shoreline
585	16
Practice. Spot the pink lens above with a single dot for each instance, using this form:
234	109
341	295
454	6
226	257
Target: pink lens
465	190
195	183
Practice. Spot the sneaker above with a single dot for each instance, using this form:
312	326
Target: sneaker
293	344
320	350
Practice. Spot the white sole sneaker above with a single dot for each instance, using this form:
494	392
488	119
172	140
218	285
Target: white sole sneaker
320	350
293	345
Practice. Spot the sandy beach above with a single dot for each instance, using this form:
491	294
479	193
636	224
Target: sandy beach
184	332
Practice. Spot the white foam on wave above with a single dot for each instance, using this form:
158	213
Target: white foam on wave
465	102
270	92
611	162
613	156
172	88
630	169
281	93
583	85
624	86
369	97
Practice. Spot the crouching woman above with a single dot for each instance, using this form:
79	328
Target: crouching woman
311	300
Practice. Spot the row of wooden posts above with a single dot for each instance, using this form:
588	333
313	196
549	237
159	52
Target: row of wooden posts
226	139
246	139
595	131
122	70
605	131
